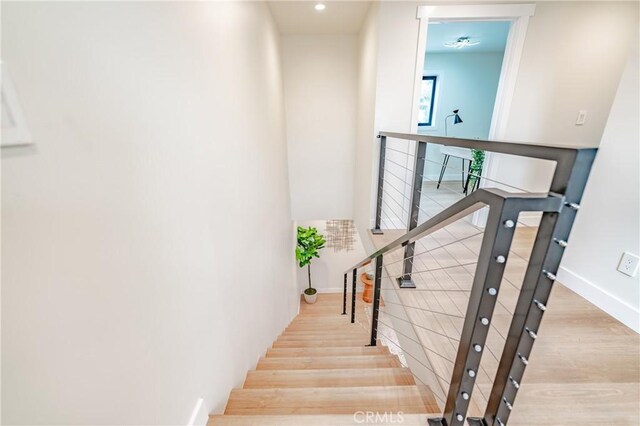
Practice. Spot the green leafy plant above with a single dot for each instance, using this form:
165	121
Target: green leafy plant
477	162
310	242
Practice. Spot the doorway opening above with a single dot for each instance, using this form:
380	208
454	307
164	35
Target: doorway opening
462	67
516	17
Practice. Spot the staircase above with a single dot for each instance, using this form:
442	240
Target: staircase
319	372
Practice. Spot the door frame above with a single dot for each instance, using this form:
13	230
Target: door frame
518	15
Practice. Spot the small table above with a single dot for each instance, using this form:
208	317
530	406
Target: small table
465	155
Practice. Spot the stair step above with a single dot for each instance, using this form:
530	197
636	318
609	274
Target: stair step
331	307
329	322
359	335
334	400
329	312
320	343
264	379
325	329
329	362
319	329
320	420
316	351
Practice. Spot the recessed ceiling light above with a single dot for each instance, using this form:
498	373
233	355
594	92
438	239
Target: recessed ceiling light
319	7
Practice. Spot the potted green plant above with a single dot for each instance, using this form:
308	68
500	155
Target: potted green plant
310	242
475	170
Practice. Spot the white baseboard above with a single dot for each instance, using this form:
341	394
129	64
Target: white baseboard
617	308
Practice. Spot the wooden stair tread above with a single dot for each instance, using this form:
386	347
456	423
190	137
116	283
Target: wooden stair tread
333	400
361	337
263	379
324	351
315	420
329	362
320	331
326	327
319	342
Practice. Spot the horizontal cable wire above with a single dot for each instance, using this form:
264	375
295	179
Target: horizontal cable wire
424	289
413	374
415	341
396	201
398	164
401	152
435	248
425	310
419	326
402	221
442	268
395	175
412	356
393	199
394	187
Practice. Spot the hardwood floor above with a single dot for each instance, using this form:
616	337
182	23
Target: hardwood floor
585	365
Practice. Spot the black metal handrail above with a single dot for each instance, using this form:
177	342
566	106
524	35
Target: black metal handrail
558	207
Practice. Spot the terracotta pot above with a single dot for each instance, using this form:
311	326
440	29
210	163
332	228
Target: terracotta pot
310	298
367	295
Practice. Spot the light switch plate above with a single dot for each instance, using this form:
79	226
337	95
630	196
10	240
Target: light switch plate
582	117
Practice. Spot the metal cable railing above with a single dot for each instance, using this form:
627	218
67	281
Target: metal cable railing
458	295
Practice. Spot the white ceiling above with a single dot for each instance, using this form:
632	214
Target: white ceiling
299	17
491	35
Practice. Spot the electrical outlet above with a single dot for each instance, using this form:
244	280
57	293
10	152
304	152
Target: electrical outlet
629	264
582	117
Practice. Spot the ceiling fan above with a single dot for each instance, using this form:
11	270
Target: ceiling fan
461	42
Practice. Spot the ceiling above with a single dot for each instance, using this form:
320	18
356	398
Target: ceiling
491	35
300	17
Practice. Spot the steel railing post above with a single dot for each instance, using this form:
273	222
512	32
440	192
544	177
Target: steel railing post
405	280
353	296
494	252
383	148
376	301
344	296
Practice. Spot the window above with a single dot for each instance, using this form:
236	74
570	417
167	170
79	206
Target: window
427	100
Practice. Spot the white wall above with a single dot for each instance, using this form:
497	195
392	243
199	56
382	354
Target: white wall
607	223
366	161
327	271
320	81
147	243
573	58
467	81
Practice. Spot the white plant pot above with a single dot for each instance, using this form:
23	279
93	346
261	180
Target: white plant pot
310	299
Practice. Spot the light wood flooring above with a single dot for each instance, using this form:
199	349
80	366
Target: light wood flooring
584	368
